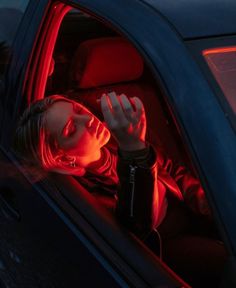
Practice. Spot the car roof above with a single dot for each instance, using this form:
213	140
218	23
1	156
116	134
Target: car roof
198	18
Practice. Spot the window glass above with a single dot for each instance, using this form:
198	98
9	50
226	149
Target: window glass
222	62
11	13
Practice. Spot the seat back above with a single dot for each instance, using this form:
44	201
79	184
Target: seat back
112	64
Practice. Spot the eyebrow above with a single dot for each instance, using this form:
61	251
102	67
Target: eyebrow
66	126
67	122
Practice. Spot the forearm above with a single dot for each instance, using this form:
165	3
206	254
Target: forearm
191	189
139	199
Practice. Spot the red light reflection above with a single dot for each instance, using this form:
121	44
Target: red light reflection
222	63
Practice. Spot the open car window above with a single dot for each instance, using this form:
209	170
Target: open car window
83	78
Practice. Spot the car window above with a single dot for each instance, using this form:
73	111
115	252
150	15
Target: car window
11	13
222	63
76	30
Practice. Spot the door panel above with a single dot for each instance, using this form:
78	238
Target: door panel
37	248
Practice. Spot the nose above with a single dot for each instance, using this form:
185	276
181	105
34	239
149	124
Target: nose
90	121
84	119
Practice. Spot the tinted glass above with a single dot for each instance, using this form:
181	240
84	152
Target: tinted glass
222	63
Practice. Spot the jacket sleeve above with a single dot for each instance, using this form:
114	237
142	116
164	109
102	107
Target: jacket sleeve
141	202
190	187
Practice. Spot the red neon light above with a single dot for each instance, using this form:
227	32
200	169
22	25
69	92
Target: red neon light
222	63
218	50
59	12
39	71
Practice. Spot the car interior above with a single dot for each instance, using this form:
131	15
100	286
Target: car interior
90	58
98	60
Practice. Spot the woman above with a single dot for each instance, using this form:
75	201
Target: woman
61	135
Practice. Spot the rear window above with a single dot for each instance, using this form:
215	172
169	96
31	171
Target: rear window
222	63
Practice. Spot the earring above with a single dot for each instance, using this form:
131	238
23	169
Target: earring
68	161
73	163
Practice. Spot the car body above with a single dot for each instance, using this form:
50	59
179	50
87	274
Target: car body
58	235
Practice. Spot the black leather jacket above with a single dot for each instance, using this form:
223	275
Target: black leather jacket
150	185
140	202
148	181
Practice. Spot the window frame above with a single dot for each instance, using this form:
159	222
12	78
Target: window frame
197	47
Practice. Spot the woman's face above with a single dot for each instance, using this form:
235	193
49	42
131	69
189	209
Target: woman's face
76	130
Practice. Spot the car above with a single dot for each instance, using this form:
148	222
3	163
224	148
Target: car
54	232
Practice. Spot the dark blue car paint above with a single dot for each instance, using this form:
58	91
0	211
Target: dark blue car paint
199	18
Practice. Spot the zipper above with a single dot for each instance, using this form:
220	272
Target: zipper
132	182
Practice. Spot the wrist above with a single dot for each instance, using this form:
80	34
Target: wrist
135	156
133	147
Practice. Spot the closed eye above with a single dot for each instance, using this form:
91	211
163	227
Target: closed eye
69	129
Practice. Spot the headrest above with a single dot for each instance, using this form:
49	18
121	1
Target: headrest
106	61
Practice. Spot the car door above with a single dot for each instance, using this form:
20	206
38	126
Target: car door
40	245
49	239
192	101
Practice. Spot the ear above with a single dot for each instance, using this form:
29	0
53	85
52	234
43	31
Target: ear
77	171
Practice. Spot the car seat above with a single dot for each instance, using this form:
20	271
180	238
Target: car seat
110	64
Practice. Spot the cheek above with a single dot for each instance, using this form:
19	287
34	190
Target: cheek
81	144
72	142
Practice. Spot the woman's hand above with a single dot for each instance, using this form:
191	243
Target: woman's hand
126	120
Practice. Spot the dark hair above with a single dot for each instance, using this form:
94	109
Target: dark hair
32	143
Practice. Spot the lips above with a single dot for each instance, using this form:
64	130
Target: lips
95	128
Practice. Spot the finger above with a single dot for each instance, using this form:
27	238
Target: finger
106	110
140	112
127	107
142	130
116	106
142	121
